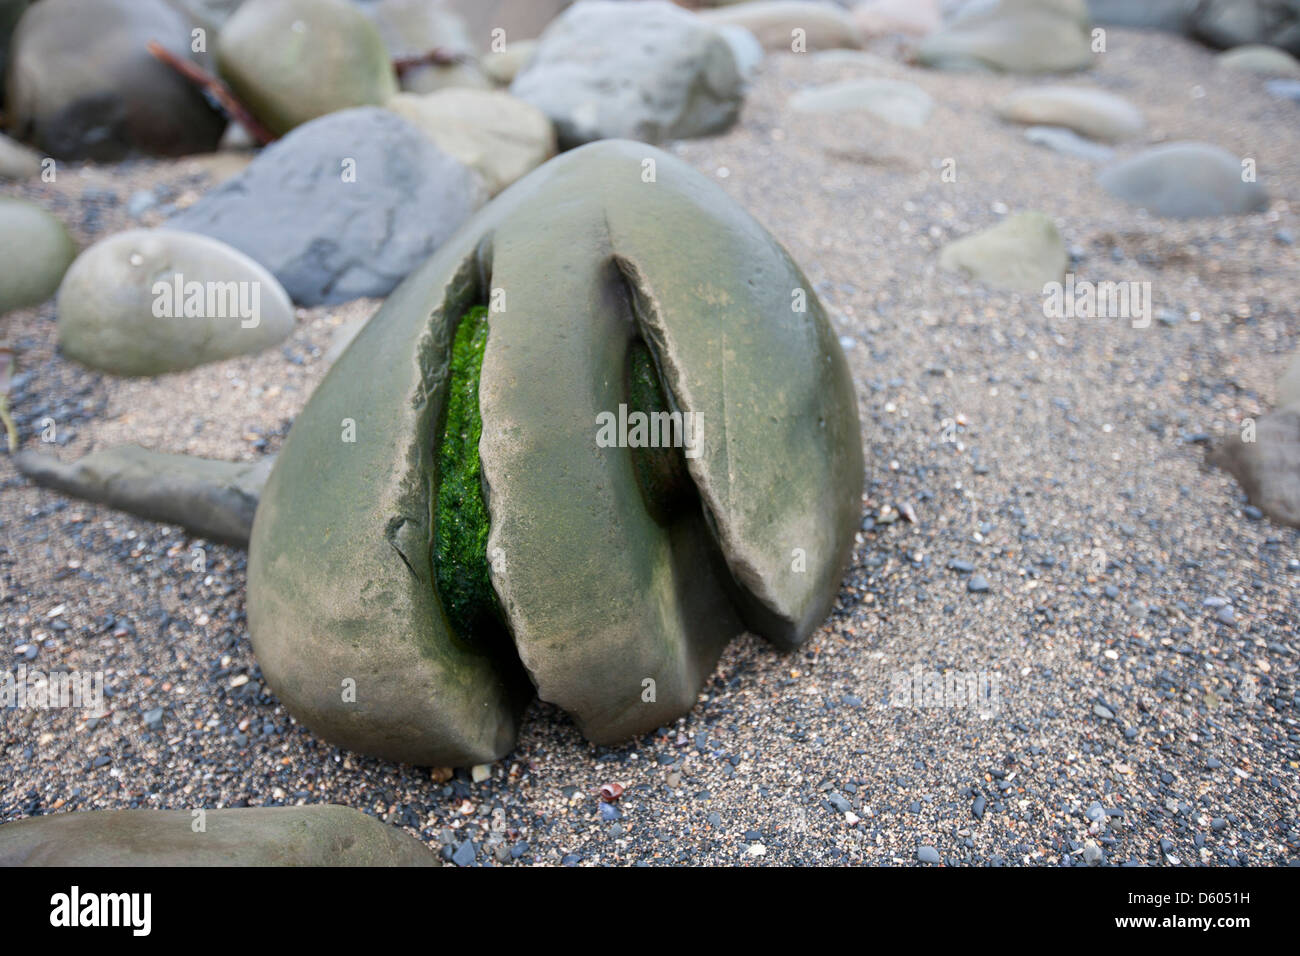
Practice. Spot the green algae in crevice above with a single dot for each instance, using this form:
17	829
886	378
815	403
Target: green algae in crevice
660	472
461	523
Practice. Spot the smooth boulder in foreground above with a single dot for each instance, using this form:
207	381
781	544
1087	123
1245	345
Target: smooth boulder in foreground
321	835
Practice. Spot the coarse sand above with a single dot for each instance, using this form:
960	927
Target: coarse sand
1139	629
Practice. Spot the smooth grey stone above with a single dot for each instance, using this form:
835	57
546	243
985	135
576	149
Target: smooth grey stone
1259	59
212	499
1068	142
1174	16
499	136
1184	180
320	835
648	71
215	301
10	12
1022	252
1229	23
35	252
291	61
1284	89
1093	113
327	239
894	101
773	22
413	28
17	161
1268	468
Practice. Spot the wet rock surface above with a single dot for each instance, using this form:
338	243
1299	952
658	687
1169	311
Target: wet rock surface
623	637
213	499
281	836
1061	460
345	206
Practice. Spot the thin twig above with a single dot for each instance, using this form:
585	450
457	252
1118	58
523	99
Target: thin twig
438	56
229	103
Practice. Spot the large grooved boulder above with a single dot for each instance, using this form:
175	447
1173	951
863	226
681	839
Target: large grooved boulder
291	61
619	594
322	835
83	85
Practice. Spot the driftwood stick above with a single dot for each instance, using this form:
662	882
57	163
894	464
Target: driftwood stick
438	56
229	103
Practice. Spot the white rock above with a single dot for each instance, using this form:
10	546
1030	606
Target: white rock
778	24
895	101
648	71
1093	113
500	137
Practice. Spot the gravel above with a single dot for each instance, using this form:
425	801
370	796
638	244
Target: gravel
1048	453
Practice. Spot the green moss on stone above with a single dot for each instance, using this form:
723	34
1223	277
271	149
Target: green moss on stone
461	523
661	472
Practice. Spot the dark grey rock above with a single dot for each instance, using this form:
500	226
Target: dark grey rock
927	854
10	12
464	854
83	85
328	239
